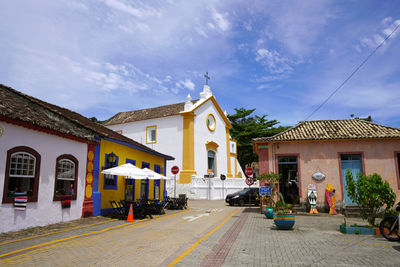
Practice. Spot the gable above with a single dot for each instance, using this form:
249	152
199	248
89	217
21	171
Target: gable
334	130
215	104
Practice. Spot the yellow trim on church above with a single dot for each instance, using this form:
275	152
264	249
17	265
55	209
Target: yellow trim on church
188	148
212	98
211	145
228	153
212	129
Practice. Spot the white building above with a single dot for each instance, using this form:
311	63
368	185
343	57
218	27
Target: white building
196	133
43	158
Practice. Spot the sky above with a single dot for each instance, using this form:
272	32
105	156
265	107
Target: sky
283	58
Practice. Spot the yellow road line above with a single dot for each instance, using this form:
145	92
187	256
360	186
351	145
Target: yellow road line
69	229
61	241
367	243
180	257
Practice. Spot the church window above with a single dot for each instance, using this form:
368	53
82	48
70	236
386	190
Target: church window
211	122
211	161
151	134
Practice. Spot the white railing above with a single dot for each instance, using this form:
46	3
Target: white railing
208	188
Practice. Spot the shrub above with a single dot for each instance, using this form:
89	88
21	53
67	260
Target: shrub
370	193
271	179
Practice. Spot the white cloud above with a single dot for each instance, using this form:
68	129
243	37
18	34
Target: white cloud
274	62
220	20
388	26
247	25
127	8
187	84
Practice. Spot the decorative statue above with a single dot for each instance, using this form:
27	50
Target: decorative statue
330	198
312	197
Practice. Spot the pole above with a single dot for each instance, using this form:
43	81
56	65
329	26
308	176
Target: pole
223	190
175	186
209	188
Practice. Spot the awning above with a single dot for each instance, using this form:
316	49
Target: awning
154	175
128	170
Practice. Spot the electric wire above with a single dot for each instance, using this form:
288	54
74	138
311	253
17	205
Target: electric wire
354	72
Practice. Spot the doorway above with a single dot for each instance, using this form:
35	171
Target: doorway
289	182
353	162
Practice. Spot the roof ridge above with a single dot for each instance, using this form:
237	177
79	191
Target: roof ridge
49	108
281	133
381	125
156	107
56	109
334	129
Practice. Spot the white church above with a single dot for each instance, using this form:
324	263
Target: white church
196	133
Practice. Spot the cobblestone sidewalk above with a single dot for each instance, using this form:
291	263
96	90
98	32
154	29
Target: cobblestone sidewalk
315	241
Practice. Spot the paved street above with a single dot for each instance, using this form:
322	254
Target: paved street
208	234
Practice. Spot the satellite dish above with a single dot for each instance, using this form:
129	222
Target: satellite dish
319	176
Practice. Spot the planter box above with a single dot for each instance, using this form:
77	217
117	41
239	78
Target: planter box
357	230
269	213
285	221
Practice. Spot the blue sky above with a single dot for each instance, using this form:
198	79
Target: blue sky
281	57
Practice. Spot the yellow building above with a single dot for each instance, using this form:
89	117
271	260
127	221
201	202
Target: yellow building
111	152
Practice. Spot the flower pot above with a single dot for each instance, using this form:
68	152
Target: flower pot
269	213
285	221
357	230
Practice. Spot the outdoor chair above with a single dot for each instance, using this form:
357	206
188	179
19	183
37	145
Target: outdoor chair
118	210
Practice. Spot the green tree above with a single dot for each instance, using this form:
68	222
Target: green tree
370	193
245	127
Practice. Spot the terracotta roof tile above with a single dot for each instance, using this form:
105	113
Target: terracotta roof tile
333	130
147	114
19	106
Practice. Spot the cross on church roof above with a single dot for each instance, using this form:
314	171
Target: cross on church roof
207	77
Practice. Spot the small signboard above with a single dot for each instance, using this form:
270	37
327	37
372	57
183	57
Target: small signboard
175	170
249	181
265	191
249	171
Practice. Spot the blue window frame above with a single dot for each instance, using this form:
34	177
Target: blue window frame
157	168
130	189
131	161
110	181
144	189
165	190
145	165
157	184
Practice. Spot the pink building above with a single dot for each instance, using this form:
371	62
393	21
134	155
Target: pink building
330	147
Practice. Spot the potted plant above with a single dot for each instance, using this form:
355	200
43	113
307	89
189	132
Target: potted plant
268	179
284	217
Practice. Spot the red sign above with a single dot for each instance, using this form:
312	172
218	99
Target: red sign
175	169
249	181
249	171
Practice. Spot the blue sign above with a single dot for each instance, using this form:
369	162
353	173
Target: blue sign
265	191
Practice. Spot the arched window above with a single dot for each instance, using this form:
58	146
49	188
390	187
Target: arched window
211	161
66	178
22	174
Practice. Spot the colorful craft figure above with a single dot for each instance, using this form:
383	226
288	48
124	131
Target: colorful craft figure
312	198
330	198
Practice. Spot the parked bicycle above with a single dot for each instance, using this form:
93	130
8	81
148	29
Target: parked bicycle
390	226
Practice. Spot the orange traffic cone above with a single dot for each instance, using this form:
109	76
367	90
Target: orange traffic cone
130	215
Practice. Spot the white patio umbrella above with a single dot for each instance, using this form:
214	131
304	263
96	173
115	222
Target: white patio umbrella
154	175
128	170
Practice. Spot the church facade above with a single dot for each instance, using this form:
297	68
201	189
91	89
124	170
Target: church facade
195	132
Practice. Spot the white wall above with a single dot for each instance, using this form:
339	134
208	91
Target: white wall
169	136
208	188
202	135
45	210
